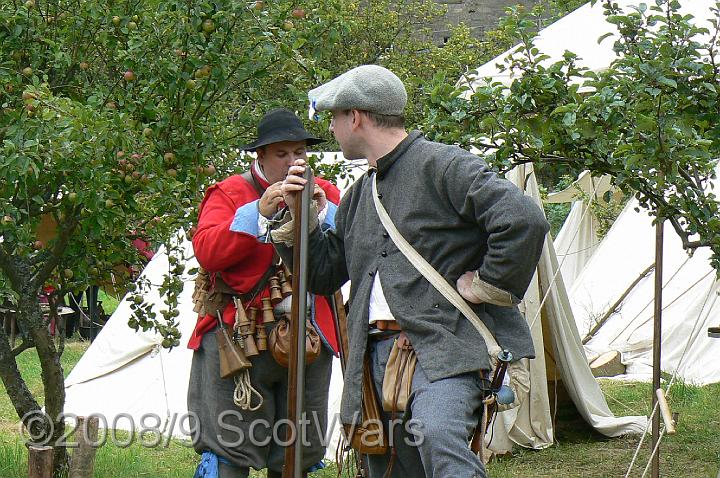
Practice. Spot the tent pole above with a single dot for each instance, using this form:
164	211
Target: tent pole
657	340
613	308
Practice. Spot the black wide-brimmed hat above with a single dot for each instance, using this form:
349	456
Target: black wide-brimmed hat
280	125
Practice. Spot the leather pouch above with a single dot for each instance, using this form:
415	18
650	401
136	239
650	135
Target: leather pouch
397	381
368	437
280	342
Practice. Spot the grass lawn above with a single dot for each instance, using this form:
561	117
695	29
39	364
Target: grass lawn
580	452
109	302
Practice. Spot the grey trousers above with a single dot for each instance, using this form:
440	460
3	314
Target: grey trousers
250	438
433	442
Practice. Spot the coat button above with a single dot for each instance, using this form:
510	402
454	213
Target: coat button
437	306
383	253
386	235
379	196
371	273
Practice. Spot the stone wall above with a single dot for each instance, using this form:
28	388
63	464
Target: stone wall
479	15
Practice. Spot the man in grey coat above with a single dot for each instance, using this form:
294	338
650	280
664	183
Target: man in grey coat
476	229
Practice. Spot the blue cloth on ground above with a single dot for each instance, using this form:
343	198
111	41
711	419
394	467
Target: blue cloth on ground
317	466
209	464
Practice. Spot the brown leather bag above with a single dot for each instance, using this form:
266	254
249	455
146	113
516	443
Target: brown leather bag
280	342
397	381
368	437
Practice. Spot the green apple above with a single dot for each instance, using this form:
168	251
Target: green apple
208	26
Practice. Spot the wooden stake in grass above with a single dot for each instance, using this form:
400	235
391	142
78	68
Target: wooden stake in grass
83	458
40	461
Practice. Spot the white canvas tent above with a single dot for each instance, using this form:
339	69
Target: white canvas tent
560	357
126	375
690	304
578	238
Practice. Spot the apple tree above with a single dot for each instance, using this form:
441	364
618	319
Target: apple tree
114	116
651	120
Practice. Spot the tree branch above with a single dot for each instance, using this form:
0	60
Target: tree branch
20	395
25	345
9	268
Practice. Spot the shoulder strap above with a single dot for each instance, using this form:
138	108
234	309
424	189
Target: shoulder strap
249	177
432	275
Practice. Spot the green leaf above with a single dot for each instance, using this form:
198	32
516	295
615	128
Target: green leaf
667	81
569	118
602	37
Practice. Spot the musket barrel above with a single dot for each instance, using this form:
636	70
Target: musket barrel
296	368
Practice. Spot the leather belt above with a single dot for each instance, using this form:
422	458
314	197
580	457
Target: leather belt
387	325
377	334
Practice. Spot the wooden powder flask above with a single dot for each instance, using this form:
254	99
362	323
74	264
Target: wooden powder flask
276	295
288	274
252	317
267	310
243	330
240	317
285	285
251	349
261	339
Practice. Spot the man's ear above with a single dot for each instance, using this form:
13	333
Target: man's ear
260	152
357	119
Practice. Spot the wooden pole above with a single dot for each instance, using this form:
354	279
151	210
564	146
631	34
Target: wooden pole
657	342
82	463
340	318
92	299
613	308
296	367
40	461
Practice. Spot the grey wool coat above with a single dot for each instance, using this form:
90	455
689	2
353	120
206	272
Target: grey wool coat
460	216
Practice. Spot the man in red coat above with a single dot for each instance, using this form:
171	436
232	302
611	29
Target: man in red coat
230	245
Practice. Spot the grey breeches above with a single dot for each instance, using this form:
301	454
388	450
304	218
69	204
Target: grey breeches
250	438
433	442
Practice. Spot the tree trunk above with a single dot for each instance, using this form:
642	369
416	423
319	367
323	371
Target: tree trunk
83	458
53	383
40	461
42	428
20	396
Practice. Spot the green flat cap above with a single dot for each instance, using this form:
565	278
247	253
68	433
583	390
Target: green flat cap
368	88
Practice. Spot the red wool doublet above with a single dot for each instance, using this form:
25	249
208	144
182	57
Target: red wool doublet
239	257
